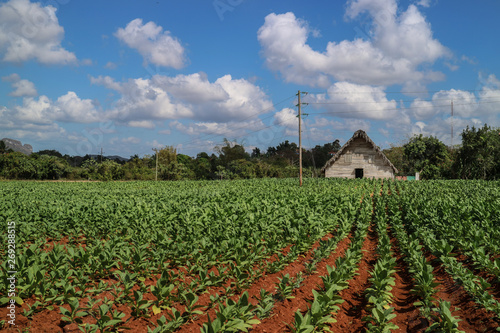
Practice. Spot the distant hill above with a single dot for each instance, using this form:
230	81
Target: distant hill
112	157
27	149
16	145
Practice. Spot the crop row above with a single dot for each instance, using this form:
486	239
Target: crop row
106	256
157	246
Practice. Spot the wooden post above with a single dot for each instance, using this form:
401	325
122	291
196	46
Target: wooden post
156	173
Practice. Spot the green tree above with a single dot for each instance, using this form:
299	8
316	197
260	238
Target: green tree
3	148
242	169
284	154
319	155
89	167
49	152
15	165
479	155
51	167
397	157
167	155
202	167
138	168
231	151
222	173
186	160
109	170
427	155
256	152
175	171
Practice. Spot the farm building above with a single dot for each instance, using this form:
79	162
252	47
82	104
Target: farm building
359	158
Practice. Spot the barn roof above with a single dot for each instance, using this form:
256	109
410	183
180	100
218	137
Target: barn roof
358	134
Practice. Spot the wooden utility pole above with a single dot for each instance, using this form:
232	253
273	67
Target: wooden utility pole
156	174
300	143
300	137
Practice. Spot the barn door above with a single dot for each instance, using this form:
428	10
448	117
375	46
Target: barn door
358	173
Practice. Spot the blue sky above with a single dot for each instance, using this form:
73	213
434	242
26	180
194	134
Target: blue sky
129	76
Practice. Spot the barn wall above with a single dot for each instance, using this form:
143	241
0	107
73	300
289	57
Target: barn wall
360	154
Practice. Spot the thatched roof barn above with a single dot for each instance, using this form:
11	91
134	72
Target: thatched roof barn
359	158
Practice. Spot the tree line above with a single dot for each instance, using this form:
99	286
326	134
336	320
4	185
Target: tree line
478	157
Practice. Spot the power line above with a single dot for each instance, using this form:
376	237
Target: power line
398	101
396	92
401	108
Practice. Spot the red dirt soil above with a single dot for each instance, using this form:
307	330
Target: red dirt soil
354	308
284	312
267	282
408	317
494	290
473	318
50	320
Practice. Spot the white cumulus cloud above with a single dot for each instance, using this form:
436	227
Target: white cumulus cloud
155	45
68	108
22	87
287	117
348	100
71	108
185	96
131	140
140	102
229	129
32	31
398	45
224	100
489	97
406	36
142	124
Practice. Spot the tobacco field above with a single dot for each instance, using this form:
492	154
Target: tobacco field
252	256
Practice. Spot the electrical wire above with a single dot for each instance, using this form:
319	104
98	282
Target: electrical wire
401	108
395	92
402	101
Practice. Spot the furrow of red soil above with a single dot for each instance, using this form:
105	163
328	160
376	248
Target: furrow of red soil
267	282
354	307
494	290
408	316
284	312
473	318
